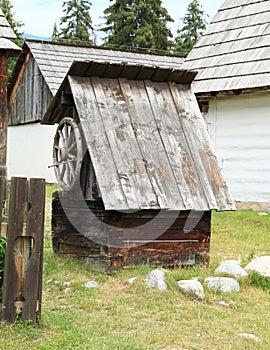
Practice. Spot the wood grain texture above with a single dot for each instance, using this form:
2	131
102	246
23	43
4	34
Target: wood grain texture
22	285
151	139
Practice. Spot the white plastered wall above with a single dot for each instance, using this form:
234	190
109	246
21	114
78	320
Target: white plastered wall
240	129
29	151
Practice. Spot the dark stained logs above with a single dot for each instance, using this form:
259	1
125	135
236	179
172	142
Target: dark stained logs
123	240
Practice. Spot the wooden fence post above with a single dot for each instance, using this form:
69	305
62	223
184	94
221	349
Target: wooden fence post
22	285
2	197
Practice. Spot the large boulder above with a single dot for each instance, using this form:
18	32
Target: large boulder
192	288
260	265
232	268
222	284
156	278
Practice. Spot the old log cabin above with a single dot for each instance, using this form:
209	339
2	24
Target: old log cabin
138	172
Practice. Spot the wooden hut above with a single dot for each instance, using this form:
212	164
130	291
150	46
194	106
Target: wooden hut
39	72
232	59
136	164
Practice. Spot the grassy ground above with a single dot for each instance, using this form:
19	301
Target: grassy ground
116	315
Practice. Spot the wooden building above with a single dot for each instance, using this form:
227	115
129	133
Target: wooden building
40	70
136	164
233	88
7	49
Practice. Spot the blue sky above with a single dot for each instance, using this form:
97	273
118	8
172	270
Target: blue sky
39	16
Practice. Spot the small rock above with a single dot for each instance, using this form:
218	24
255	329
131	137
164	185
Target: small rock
67	290
156	278
192	287
49	281
250	336
91	284
66	284
223	303
132	280
222	284
260	265
231	267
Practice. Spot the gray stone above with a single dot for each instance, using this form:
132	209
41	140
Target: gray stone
260	265
250	336
222	284
192	287
232	268
156	278
132	280
91	284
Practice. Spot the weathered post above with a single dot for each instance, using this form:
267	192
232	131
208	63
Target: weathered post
22	285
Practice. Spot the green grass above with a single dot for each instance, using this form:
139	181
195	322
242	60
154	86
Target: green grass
116	315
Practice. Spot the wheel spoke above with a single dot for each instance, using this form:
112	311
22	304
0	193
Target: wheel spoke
68	173
70	165
62	173
72	146
62	137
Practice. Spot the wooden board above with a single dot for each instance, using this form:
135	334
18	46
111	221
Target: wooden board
22	283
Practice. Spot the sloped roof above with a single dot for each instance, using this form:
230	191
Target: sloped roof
147	140
54	60
234	52
6	35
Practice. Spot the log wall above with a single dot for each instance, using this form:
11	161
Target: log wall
116	239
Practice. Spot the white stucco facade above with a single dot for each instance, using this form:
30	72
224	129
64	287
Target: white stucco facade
29	151
240	129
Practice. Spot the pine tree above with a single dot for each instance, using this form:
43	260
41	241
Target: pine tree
55	33
76	25
193	27
7	8
138	24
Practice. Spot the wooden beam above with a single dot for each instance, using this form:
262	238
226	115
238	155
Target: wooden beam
17	82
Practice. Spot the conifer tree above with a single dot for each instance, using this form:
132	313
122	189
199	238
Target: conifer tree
193	27
138	24
55	33
76	24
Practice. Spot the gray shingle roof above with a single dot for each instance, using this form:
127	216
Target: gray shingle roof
54	60
6	35
234	52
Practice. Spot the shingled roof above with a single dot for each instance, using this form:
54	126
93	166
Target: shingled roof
54	59
6	37
234	52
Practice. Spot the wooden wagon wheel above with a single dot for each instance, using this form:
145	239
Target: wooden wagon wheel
67	153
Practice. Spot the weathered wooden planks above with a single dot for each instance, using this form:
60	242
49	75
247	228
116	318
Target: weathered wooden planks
151	138
22	285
